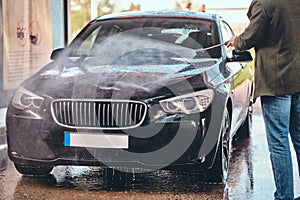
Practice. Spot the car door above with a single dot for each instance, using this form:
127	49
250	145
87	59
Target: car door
241	87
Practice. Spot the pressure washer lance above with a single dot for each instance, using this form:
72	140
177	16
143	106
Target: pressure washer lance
211	47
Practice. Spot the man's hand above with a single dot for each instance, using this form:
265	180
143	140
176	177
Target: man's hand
230	43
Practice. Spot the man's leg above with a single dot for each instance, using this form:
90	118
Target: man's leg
295	126
276	113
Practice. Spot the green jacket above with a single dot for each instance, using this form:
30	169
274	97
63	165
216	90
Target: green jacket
274	32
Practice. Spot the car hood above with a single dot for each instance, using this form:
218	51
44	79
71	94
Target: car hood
123	81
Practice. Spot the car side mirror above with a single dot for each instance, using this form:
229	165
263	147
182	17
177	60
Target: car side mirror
56	53
243	56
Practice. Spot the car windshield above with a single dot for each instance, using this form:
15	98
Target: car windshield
158	37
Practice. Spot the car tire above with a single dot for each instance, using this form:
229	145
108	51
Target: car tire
219	172
33	170
245	129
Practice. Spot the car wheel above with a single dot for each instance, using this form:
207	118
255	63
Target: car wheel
246	128
219	171
33	170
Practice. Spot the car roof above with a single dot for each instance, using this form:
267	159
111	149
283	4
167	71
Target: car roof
160	13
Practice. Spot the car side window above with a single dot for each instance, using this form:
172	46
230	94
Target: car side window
227	33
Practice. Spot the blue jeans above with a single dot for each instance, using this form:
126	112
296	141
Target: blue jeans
282	117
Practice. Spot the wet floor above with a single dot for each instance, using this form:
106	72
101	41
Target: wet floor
250	178
98	183
250	168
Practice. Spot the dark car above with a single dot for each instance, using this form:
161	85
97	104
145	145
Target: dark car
145	90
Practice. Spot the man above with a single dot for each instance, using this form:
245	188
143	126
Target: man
274	31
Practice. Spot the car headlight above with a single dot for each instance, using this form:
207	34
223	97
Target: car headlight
24	99
189	103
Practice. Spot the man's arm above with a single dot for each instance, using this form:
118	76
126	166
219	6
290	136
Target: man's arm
252	35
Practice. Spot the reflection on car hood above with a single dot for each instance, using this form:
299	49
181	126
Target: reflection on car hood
146	80
149	70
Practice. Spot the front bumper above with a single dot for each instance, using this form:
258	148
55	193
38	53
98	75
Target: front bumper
155	146
163	142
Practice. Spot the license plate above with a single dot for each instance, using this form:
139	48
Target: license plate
96	141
